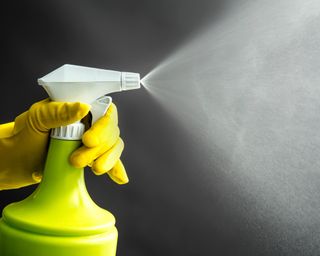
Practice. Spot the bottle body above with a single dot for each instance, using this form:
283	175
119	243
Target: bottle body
17	242
59	218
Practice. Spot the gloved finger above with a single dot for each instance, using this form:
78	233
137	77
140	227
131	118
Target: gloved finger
105	162
47	114
101	129
118	173
84	155
6	129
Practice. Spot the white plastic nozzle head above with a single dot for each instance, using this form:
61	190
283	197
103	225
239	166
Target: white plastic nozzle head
89	85
130	81
78	83
85	84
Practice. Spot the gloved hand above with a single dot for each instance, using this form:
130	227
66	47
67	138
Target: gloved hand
102	148
23	144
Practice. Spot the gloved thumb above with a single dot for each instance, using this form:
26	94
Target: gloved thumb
46	114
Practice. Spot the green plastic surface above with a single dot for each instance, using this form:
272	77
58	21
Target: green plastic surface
59	218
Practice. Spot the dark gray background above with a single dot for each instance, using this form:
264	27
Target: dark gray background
166	208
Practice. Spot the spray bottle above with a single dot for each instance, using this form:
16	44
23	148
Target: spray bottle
59	217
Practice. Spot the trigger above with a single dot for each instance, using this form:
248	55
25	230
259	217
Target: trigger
99	107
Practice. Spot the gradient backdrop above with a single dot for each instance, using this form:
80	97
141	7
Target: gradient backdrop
167	208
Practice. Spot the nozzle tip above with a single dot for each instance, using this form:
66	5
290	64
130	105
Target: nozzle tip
130	81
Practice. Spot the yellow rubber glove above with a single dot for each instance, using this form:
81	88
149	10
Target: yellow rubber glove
102	148
23	144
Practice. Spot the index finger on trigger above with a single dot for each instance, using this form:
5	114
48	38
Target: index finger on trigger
101	129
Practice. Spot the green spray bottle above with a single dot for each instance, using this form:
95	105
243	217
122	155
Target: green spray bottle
59	218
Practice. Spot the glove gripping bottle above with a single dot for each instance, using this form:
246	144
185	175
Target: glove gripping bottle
59	217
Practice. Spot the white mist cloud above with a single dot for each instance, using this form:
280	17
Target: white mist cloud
248	86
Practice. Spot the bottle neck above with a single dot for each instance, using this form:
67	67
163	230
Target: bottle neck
69	132
60	178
